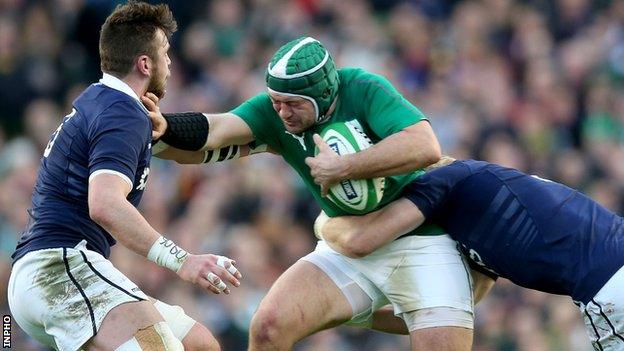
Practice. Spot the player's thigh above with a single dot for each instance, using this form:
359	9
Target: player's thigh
26	302
420	272
302	301
604	315
66	293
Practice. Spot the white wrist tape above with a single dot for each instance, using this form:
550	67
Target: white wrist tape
166	253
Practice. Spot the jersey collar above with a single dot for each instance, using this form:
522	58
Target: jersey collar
115	83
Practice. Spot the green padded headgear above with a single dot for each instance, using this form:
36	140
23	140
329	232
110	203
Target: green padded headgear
304	68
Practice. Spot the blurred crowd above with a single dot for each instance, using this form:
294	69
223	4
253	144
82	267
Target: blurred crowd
536	85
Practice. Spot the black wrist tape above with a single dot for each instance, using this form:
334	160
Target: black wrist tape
186	130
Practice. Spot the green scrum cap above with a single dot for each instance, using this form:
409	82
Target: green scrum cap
304	68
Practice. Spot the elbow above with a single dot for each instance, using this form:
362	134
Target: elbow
352	246
100	212
348	244
355	250
432	154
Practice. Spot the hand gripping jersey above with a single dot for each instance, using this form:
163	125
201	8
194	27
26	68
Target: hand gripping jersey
537	233
363	98
107	131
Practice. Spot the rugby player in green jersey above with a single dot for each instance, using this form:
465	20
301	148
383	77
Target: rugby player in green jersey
422	275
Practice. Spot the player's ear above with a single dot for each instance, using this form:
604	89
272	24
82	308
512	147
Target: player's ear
144	64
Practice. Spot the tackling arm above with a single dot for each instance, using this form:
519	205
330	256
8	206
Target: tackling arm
358	236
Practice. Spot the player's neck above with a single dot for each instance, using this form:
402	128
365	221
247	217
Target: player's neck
137	83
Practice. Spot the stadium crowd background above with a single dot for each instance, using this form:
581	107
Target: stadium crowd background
536	85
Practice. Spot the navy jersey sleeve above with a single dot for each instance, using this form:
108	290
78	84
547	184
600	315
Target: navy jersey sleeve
430	191
117	139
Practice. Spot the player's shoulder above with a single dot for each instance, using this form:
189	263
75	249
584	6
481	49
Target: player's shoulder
260	98
349	74
99	100
353	78
259	104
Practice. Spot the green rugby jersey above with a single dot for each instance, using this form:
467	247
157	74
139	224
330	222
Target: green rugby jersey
368	98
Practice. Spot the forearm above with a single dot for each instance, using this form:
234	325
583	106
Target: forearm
194	131
124	222
211	156
357	236
181	156
413	148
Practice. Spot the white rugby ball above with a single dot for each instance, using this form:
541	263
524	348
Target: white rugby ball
354	196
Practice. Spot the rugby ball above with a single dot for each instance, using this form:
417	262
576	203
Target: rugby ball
354	196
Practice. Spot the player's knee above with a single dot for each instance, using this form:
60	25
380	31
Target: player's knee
155	337
200	339
265	327
207	344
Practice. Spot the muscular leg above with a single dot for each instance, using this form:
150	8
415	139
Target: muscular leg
122	323
194	335
441	338
385	321
438	338
302	301
199	338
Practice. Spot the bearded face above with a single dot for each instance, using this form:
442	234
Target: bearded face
160	69
158	82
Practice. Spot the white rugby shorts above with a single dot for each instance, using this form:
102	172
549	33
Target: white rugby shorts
60	296
411	273
604	315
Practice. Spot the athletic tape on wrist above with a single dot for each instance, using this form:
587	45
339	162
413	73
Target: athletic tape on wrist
166	253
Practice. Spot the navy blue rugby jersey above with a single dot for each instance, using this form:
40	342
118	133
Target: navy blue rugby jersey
537	233
108	131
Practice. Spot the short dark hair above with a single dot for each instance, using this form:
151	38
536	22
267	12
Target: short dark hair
129	32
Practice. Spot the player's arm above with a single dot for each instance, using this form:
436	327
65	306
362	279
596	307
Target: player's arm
358	236
226	153
109	208
407	143
414	147
195	131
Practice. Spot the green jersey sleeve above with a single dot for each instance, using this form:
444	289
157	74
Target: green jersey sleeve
386	110
261	118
